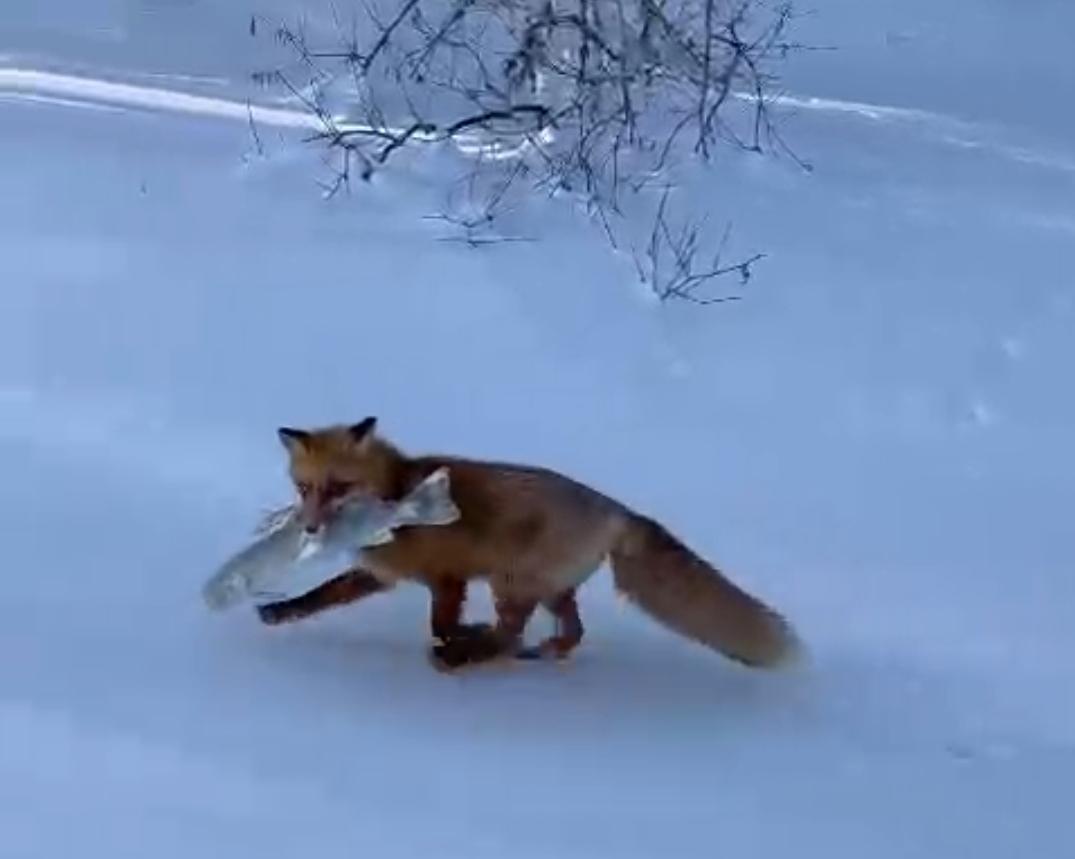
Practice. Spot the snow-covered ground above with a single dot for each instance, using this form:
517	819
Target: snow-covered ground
878	440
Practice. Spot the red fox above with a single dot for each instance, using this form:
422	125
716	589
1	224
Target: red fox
534	536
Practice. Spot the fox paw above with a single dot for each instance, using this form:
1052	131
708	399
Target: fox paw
535	654
475	646
451	654
547	651
471	632
273	614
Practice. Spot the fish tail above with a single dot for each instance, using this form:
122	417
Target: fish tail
430	503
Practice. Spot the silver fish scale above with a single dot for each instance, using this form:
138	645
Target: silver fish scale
284	558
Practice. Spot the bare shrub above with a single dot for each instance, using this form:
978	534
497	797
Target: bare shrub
595	99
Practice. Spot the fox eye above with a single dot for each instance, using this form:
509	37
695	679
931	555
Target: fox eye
336	488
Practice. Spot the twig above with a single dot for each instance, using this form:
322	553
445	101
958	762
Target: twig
258	147
597	99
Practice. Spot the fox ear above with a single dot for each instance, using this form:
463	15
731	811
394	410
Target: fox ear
293	438
361	431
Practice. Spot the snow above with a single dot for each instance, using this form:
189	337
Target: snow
877	440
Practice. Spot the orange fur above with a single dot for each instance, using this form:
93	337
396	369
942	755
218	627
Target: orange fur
534	535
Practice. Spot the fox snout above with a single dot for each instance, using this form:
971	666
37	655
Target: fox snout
313	516
314	513
321	503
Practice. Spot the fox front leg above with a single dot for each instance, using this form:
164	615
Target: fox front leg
503	639
349	587
446	612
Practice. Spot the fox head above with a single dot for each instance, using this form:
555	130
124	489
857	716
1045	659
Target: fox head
332	464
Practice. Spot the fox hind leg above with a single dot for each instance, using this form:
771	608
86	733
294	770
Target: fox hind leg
569	630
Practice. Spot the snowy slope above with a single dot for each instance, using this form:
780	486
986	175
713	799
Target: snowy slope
877	440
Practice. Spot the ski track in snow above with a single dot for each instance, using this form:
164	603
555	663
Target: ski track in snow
30	83
33	85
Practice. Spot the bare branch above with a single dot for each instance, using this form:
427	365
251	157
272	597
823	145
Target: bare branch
670	266
258	147
601	100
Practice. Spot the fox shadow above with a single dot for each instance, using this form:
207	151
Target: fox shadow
624	676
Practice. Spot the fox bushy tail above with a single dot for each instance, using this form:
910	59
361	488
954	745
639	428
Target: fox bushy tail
676	587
